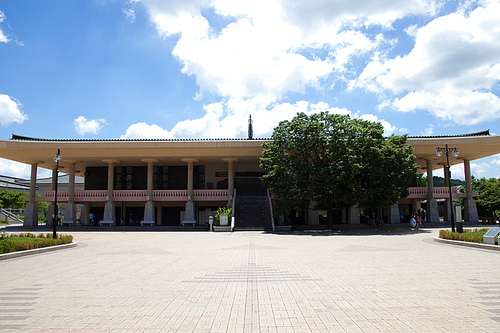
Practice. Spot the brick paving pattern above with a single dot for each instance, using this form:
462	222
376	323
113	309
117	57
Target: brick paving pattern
253	282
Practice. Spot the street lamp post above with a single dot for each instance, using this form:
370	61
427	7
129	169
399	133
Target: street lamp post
57	158
447	151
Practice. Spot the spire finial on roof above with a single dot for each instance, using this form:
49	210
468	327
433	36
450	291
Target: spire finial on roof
250	129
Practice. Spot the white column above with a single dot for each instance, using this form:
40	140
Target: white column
448	205
189	216
109	207
394	214
230	179
353	215
50	209
31	211
149	208
70	208
432	209
470	209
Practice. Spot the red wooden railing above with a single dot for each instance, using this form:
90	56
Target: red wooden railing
439	192
139	195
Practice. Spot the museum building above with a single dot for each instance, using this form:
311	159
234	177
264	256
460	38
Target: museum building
181	182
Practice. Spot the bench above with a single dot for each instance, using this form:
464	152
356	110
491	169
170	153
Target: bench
188	222
69	223
110	223
151	223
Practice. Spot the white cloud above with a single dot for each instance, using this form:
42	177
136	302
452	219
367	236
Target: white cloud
145	131
83	126
129	13
428	131
3	38
230	120
451	71
479	170
10	111
388	128
273	47
20	170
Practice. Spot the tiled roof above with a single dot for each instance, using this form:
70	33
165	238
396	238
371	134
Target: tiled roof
27	138
481	133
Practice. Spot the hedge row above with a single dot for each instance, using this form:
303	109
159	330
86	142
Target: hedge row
468	235
28	241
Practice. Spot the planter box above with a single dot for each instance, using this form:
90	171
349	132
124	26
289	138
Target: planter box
218	228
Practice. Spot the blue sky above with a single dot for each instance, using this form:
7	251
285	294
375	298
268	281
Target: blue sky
198	68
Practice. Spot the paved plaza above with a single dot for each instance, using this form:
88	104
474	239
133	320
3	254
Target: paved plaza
384	281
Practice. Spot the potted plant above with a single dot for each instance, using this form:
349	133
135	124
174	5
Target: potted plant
217	219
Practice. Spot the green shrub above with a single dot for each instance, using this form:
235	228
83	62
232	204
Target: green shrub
469	235
28	241
220	211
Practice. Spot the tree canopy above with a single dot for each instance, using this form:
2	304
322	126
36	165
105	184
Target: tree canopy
488	200
337	162
13	199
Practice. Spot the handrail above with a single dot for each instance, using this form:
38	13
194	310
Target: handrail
233	208
8	214
271	209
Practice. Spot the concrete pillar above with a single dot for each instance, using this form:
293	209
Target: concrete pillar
353	215
149	209
31	211
432	209
159	214
109	207
70	208
230	179
50	209
312	214
189	215
470	209
447	204
85	214
393	217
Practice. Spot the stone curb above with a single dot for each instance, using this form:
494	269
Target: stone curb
35	251
468	244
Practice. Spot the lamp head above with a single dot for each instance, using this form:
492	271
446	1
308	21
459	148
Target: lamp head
58	156
439	152
455	152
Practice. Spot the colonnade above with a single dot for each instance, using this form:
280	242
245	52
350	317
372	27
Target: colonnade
470	209
31	212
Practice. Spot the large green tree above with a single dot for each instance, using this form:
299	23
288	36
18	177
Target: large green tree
488	200
13	199
337	162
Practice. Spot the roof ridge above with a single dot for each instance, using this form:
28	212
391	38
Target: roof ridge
27	138
480	133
